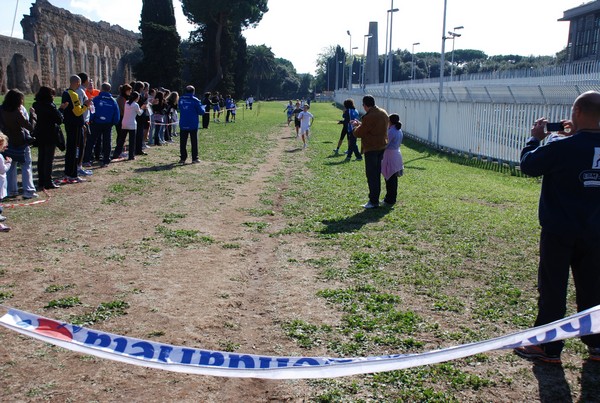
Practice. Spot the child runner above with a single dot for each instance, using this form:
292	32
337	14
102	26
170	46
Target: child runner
306	118
214	103
290	112
297	111
233	109
229	105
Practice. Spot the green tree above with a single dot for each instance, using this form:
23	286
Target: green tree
262	65
219	20
161	61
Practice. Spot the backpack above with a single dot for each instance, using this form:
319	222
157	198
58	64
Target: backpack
353	115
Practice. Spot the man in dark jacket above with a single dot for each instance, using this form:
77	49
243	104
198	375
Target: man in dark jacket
106	115
569	213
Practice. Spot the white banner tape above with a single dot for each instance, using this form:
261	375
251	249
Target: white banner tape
220	363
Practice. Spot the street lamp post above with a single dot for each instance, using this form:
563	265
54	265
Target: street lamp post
441	89
343	63
328	66
412	73
350	67
392	10
362	76
453	36
335	87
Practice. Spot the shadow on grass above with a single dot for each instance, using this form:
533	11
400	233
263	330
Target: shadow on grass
294	150
158	168
590	382
354	222
552	383
337	162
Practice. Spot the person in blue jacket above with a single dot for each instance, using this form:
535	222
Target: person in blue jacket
569	214
190	108
106	115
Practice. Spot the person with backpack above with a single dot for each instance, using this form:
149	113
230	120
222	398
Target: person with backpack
349	115
106	115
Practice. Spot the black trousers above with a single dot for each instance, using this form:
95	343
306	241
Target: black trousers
139	137
352	147
44	164
373	172
74	140
558	252
205	120
193	135
133	138
391	189
121	137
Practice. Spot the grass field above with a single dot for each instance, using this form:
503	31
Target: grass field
453	262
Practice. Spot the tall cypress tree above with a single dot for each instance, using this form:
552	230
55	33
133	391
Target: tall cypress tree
161	64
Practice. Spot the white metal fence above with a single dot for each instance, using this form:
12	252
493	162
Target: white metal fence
489	117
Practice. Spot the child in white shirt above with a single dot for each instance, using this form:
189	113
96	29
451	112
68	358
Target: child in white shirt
306	119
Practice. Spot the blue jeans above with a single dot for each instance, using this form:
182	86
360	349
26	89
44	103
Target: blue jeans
159	129
26	176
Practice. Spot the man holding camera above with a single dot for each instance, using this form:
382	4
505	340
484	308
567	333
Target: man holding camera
569	214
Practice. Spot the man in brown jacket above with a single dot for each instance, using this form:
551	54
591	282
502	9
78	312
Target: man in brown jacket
373	134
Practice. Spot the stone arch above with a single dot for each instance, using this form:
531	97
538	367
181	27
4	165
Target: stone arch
2	81
83	54
35	84
117	53
51	74
9	77
69	57
107	66
97	67
17	73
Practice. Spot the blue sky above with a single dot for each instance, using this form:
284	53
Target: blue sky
299	31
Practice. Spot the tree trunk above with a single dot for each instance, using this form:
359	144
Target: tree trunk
218	68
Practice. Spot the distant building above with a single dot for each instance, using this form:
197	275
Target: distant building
584	31
58	44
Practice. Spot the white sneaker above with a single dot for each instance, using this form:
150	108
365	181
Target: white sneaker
370	205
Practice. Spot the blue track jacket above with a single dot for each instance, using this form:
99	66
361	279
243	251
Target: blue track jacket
190	108
106	109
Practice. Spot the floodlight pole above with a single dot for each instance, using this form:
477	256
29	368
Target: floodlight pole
441	92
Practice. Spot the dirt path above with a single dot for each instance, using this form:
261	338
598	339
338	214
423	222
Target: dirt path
256	275
232	293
